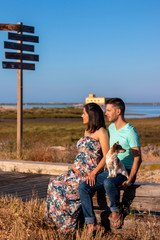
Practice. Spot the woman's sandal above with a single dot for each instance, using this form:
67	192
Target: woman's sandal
120	218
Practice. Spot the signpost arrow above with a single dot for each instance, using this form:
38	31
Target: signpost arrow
18	46
20	37
18	65
16	27
22	56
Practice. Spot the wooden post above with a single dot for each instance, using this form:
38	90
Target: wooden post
19	105
20	47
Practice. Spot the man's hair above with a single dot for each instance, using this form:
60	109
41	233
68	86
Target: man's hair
96	117
118	103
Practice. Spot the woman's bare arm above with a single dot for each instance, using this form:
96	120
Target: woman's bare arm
104	142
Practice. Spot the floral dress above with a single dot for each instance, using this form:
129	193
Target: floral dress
63	201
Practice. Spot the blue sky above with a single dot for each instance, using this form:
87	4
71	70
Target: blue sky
107	47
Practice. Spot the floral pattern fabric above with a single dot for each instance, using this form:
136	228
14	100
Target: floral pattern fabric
63	202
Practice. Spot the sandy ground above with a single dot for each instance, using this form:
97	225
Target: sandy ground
4	108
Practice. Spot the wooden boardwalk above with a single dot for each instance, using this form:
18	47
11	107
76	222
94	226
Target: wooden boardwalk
144	196
23	184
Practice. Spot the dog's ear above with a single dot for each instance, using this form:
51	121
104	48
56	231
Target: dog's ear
113	148
117	143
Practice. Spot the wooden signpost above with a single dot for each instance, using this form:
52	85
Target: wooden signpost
20	66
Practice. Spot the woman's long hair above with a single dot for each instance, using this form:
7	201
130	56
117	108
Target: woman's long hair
96	117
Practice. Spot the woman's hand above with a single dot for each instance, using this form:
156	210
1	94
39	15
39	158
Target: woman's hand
91	179
75	169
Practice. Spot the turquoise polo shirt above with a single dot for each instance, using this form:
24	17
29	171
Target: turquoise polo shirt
128	138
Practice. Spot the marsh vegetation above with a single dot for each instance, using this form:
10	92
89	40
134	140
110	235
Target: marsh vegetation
45	128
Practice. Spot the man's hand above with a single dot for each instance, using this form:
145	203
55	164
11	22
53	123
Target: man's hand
124	185
75	169
91	179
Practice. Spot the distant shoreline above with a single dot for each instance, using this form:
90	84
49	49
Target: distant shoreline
50	103
14	108
73	103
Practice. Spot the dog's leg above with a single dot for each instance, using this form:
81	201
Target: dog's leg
109	172
115	168
123	169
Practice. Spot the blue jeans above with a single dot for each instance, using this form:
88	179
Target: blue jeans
111	186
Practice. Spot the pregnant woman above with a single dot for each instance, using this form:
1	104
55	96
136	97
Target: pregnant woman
63	202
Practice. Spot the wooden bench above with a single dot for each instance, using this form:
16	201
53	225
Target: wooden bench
139	198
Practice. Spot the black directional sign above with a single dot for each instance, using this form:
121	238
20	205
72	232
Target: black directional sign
26	38
17	65
18	46
22	56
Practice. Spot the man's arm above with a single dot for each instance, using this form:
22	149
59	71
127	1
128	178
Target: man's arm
136	152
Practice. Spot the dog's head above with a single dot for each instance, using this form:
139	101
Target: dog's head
117	148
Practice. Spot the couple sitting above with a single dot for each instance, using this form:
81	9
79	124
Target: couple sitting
71	191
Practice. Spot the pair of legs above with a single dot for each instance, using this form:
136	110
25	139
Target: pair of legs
111	186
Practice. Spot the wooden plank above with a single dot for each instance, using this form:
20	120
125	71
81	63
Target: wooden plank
151	190
9	27
140	204
26	38
140	197
18	65
16	27
23	56
17	46
23	184
141	190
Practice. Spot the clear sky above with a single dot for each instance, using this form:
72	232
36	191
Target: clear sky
107	47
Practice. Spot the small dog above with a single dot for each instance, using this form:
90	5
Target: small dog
113	163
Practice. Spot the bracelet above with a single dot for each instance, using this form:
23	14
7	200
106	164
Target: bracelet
129	183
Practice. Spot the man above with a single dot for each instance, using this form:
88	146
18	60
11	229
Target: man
119	130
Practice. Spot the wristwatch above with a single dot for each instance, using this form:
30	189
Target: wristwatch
129	183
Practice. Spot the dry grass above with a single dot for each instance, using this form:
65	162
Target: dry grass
50	154
40	152
24	221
